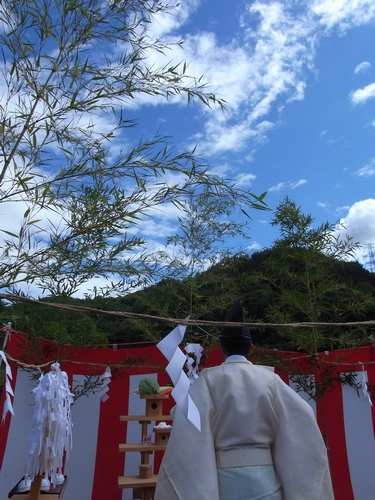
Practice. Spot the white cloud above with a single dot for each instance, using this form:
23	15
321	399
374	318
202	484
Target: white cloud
343	14
245	179
179	13
277	187
267	62
287	185
368	170
265	66
16	211
251	73
360	221
162	223
297	184
339	211
12	215
359	224
362	67
254	247
360	96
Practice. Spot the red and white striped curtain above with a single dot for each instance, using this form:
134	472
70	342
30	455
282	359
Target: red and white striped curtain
345	417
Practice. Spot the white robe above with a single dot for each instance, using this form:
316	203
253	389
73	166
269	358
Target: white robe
249	409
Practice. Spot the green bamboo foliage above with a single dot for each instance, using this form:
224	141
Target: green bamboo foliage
67	67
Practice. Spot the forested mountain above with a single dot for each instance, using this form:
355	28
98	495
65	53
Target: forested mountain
275	286
307	276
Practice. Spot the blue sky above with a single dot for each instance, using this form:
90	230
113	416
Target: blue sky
299	81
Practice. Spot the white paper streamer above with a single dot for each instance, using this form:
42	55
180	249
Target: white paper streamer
7	329
8	407
105	380
364	386
193	364
169	346
51	433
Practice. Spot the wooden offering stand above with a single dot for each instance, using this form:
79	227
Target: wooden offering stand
144	484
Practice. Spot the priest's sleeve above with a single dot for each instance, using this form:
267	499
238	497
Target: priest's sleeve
188	470
299	453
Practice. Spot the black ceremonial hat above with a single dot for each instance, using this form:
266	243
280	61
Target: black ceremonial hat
235	315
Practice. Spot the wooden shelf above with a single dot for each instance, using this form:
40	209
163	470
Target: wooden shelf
144	418
137	482
43	494
144	484
125	447
154	396
23	496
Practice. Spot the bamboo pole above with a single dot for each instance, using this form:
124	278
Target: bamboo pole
34	493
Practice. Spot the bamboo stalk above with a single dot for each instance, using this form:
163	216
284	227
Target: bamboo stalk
34	493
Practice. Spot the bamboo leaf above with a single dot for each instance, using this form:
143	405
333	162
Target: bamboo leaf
9	233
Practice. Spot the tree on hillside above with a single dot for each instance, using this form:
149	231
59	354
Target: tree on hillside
204	228
298	232
302	271
62	326
68	170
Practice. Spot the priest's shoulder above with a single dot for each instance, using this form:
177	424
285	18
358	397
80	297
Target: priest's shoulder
247	365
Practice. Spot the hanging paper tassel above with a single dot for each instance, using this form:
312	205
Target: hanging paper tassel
169	346
105	380
364	386
51	433
193	363
8	407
